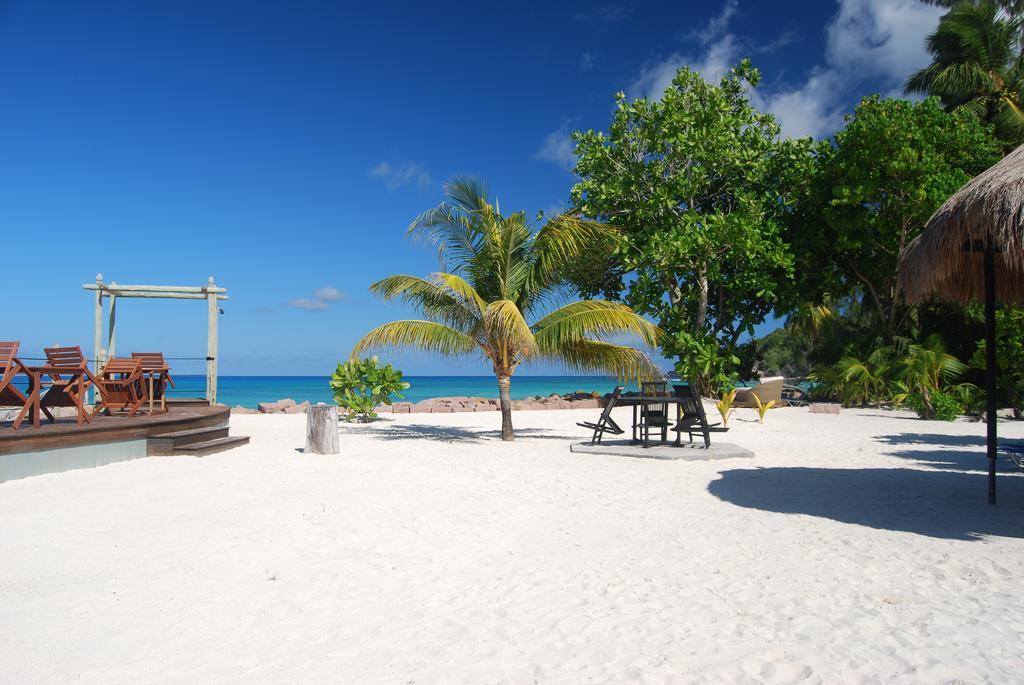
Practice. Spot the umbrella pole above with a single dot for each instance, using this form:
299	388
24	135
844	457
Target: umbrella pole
990	365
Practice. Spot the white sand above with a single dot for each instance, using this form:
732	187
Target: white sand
852	549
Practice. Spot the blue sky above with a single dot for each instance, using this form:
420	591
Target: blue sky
283	147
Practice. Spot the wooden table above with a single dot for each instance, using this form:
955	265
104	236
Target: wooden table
36	382
159	374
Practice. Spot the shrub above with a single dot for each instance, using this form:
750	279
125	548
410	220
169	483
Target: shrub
359	385
945	406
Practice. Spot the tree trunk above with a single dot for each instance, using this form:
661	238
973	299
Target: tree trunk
505	400
322	429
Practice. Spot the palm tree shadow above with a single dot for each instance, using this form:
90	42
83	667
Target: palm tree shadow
940	504
458	433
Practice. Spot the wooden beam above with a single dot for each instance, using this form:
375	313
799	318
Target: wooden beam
155	295
157	288
212	312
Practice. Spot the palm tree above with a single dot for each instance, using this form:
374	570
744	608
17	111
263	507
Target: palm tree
497	273
977	66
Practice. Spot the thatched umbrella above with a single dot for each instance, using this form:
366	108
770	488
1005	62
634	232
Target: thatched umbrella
972	248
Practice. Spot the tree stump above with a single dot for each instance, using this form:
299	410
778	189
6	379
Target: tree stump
322	430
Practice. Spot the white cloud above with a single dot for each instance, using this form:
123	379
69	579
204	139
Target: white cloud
308	304
399	174
328	294
557	148
322	299
586	61
876	42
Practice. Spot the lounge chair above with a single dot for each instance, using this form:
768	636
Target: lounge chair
605	424
694	419
767	389
156	376
73	390
120	386
1015	452
10	366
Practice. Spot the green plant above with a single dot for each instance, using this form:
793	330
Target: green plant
926	370
499	274
724	406
762	407
864	381
359	385
1009	357
940	406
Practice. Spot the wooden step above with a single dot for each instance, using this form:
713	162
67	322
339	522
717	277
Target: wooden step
201	449
163	444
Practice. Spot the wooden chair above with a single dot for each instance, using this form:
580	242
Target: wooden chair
694	420
605	424
156	375
10	366
654	415
73	390
120	386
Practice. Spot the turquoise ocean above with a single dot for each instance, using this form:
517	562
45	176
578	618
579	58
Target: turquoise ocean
248	391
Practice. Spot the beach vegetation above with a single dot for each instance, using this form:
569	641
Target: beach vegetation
872	192
698	184
762	407
503	292
977	65
1009	357
361	385
724	406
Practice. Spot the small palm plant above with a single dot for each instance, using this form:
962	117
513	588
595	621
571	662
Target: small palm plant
926	371
497	277
725	406
762	407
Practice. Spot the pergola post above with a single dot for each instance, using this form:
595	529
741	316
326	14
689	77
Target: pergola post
111	325
97	338
990	365
211	342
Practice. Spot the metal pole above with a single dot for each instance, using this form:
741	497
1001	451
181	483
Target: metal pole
990	365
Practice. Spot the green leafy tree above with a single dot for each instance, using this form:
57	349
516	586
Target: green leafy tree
977	65
873	191
360	385
1009	357
498	276
697	183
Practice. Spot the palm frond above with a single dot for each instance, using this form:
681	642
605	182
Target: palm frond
560	245
592	319
595	356
424	335
434	300
508	333
462	290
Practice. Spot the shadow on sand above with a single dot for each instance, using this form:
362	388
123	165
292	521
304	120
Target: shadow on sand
949	452
456	433
939	504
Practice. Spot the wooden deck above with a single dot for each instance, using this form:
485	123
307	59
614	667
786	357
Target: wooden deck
104	429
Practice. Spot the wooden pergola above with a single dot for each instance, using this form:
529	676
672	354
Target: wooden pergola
210	292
